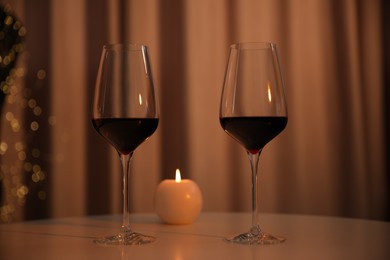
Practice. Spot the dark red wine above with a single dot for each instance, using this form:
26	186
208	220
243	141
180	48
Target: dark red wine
125	134
253	132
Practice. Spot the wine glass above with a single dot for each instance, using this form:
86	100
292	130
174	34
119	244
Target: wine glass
125	114
253	111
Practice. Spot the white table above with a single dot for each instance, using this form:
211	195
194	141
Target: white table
308	237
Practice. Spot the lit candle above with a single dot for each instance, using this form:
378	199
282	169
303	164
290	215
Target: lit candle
178	201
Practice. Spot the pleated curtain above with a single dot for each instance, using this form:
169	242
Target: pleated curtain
330	160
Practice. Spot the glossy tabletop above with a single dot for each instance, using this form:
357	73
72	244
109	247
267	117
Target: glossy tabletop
308	237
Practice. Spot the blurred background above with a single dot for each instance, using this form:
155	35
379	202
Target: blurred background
332	159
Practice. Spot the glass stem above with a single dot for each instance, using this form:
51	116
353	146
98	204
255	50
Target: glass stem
125	161
254	161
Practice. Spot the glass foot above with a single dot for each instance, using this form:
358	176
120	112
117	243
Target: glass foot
127	237
255	236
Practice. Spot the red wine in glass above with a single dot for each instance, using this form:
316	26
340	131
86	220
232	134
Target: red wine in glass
253	132
125	134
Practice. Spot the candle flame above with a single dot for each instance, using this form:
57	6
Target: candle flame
178	176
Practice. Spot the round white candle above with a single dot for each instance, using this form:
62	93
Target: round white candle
178	201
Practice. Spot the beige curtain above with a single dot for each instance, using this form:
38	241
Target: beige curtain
328	161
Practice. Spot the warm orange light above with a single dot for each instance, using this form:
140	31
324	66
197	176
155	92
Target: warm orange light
178	176
269	93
